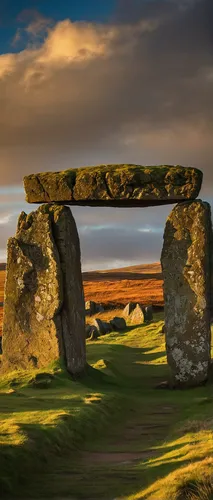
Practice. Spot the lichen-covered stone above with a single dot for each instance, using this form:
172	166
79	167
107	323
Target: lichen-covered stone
33	296
44	305
186	272
73	311
115	185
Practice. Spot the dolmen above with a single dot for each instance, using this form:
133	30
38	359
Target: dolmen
44	310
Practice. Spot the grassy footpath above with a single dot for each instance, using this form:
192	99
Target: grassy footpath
111	434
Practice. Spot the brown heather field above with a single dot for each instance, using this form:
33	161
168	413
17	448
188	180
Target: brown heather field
116	287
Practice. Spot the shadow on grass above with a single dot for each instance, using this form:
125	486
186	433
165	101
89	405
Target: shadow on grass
48	462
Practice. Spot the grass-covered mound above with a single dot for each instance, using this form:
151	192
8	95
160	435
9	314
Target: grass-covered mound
111	434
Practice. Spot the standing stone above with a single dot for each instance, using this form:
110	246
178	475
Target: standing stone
44	304
148	313
73	312
186	271
128	309
90	307
137	316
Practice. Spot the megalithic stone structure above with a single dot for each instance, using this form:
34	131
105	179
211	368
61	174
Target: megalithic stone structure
44	303
115	185
186	265
44	313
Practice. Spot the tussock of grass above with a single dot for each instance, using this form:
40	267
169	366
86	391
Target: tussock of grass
52	427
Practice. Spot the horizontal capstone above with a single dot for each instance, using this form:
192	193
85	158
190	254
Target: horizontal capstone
115	185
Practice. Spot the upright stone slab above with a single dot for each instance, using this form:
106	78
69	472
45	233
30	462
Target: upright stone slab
137	316
73	309
44	304
186	272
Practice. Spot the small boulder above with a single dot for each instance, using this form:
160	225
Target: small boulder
137	316
107	326
88	330
99	308
128	309
102	326
94	333
148	313
118	323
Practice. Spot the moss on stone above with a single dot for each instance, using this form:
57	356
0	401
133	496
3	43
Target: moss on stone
116	184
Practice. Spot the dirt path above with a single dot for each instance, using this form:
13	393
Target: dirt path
145	431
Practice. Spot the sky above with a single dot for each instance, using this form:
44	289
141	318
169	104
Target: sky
104	81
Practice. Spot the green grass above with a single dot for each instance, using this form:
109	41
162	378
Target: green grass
112	433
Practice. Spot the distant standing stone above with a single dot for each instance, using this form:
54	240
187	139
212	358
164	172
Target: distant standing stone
186	273
148	313
90	307
128	309
137	316
119	185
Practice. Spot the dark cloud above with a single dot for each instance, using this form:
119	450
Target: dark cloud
147	77
138	91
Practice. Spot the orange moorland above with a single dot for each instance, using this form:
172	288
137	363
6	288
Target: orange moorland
116	287
140	283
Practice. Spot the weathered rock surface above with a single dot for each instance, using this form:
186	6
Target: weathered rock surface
128	309
148	313
115	185
94	334
91	330
118	323
44	304
137	316
88	330
186	271
102	326
90	307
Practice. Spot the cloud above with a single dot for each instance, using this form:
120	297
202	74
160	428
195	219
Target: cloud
138	90
5	218
35	28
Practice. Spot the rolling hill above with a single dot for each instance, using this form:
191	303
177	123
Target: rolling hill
115	287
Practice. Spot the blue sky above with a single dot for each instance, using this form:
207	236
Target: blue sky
84	10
